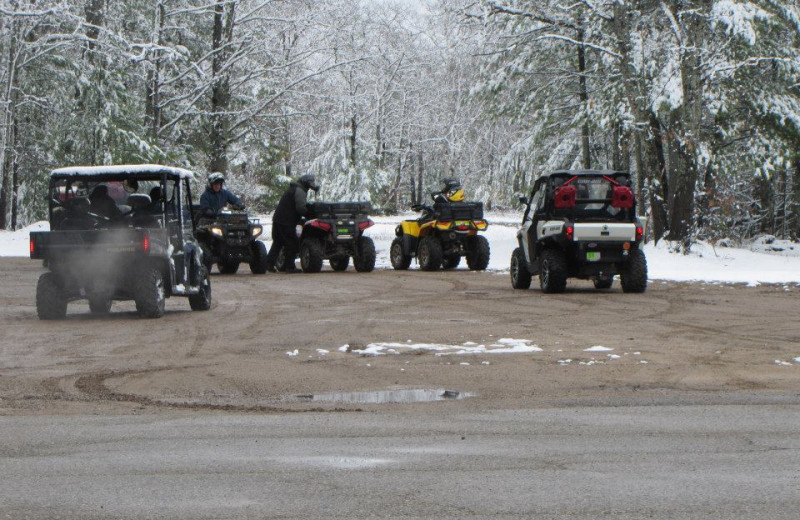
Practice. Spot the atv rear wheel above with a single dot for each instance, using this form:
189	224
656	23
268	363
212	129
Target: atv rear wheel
451	261
339	263
311	254
258	265
603	282
633	274
51	303
478	253
429	254
520	276
228	266
364	261
400	260
149	293
552	271
208	259
202	300
99	304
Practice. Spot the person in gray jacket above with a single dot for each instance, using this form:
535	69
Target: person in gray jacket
290	211
216	197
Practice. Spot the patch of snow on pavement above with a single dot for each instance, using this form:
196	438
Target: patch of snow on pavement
503	346
598	348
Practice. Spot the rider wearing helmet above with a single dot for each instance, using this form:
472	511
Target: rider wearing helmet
451	191
291	208
216	197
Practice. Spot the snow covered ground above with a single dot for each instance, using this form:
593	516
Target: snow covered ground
766	261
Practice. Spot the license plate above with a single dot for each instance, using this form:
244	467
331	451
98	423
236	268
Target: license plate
593	256
343	230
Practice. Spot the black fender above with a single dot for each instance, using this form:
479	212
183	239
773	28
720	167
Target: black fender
410	245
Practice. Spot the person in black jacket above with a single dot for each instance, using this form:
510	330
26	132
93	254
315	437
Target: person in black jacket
216	197
291	209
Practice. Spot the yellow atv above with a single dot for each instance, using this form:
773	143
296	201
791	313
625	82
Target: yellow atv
445	232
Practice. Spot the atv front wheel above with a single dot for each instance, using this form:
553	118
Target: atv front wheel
520	276
364	261
202	300
51	303
149	293
478	253
258	265
552	271
339	263
451	262
633	274
400	260
429	254
311	255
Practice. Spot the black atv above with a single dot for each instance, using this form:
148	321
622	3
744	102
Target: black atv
334	231
230	238
580	224
131	247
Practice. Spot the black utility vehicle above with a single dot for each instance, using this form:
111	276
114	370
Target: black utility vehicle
230	238
334	231
580	224
119	233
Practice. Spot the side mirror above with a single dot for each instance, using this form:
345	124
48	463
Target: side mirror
523	200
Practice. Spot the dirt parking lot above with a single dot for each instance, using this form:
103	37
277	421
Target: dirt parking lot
270	342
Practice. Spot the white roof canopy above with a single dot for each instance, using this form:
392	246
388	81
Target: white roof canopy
122	169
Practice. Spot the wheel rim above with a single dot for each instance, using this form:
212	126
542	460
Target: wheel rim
423	255
545	273
514	268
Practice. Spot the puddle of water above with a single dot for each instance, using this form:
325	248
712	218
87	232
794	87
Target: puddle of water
389	396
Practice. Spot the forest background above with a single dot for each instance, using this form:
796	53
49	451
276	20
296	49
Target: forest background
700	99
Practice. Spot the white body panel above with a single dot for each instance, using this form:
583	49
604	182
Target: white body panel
605	232
549	228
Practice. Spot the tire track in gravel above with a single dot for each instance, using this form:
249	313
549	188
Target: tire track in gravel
93	386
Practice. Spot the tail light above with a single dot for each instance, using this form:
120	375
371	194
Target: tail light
565	197
146	244
444	225
462	227
365	224
324	226
570	232
622	197
639	233
480	224
33	248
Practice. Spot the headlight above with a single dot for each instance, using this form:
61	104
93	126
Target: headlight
256	230
216	231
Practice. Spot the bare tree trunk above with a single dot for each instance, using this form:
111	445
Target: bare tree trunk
584	97
222	35
420	176
9	115
353	130
153	85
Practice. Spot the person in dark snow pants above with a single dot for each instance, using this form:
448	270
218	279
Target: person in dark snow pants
291	209
216	197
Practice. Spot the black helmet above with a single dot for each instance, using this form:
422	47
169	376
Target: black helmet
214	178
450	184
308	182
